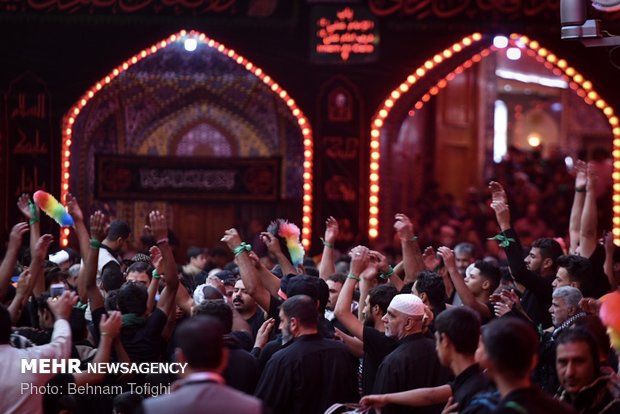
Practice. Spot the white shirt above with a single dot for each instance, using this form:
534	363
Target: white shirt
18	398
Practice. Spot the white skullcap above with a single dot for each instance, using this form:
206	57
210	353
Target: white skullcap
408	304
470	269
59	257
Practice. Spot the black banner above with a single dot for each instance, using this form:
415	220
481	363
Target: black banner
126	177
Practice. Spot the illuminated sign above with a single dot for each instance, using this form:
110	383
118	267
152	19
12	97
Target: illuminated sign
343	35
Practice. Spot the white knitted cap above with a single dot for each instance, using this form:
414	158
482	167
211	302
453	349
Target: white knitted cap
408	304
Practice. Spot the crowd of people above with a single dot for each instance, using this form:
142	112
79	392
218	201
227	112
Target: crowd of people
511	325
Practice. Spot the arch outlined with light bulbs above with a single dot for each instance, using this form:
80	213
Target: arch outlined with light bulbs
306	130
558	66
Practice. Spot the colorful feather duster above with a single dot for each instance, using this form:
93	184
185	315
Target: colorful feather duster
288	234
53	208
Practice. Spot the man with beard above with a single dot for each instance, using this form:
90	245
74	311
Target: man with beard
414	362
537	271
247	307
309	373
376	345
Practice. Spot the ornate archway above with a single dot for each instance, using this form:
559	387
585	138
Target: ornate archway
184	95
434	75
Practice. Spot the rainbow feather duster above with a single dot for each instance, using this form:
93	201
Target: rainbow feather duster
610	315
289	234
53	208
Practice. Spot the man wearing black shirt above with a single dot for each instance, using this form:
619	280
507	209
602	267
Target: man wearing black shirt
456	340
247	307
309	373
537	271
414	363
511	347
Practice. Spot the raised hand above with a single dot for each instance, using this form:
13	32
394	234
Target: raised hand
22	283
359	259
497	192
42	246
431	261
272	242
331	230
379	261
158	225
110	325
74	208
262	336
98	222
17	233
581	177
231	238
157	259
502	213
403	227
447	256
62	306
27	207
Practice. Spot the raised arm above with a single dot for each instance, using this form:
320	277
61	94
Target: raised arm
159	227
32	213
110	327
385	271
574	227
247	271
327	266
10	257
273	245
87	279
39	254
412	257
158	272
369	279
359	261
463	291
608	240
433	263
270	281
80	227
587	233
23	290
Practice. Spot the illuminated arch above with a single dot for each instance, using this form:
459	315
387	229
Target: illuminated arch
304	125
558	66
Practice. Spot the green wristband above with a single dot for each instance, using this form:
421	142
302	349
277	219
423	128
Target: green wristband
156	274
95	244
386	275
34	214
352	276
243	247
326	244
